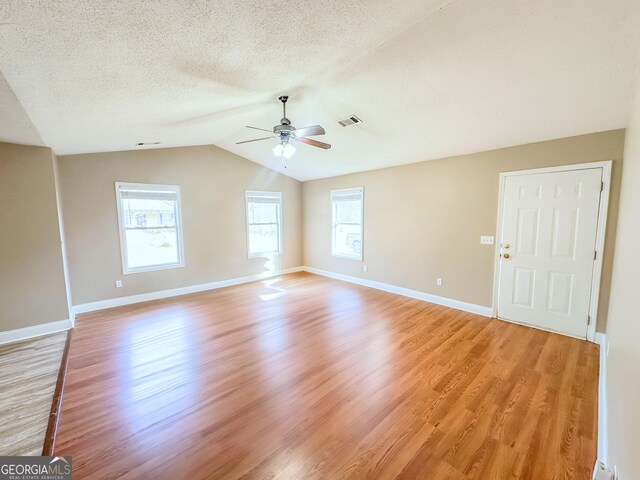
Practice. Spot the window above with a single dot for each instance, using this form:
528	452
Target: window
347	223
150	226
264	222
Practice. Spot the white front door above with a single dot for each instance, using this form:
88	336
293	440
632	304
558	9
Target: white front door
547	246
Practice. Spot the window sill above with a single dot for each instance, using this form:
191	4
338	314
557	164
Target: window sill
347	257
263	254
152	269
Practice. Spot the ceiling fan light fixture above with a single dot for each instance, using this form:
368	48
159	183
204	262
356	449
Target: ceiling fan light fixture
278	150
288	150
284	149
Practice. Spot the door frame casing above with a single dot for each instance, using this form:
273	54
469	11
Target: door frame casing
600	234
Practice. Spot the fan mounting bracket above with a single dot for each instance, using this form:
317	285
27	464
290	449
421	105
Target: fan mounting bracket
284	128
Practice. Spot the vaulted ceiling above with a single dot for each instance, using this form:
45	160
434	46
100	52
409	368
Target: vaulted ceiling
430	78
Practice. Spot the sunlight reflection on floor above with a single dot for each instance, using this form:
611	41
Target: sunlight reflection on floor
160	372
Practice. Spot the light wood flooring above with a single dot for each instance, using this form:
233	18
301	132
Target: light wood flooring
28	375
303	377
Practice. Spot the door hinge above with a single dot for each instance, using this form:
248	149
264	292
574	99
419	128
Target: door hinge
602	186
595	254
588	319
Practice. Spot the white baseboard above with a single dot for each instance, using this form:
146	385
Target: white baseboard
174	292
601	339
406	292
25	333
145	297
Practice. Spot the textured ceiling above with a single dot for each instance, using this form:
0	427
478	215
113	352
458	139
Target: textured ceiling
430	78
15	125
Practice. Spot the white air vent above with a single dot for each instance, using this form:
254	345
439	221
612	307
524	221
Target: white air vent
352	120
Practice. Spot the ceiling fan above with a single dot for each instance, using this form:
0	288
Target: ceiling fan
288	134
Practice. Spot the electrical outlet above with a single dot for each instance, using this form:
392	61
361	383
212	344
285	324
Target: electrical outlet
439	281
365	268
118	283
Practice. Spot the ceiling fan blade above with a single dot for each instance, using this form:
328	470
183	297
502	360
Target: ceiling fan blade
256	128
310	131
256	139
315	143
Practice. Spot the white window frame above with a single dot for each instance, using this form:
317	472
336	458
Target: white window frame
347	191
123	250
254	193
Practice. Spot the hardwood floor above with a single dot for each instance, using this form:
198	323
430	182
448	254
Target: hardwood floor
303	377
28	375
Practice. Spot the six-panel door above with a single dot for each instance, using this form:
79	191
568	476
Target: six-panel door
548	238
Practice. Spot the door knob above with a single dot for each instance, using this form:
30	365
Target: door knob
506	255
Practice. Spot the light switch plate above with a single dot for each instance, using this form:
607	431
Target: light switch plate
486	240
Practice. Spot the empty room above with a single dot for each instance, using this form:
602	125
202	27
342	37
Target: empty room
331	240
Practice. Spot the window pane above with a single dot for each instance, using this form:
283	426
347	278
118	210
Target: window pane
348	240
263	239
150	226
347	223
348	212
263	222
263	213
149	213
151	247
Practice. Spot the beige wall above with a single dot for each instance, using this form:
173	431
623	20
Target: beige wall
212	183
423	221
32	288
623	328
438	231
